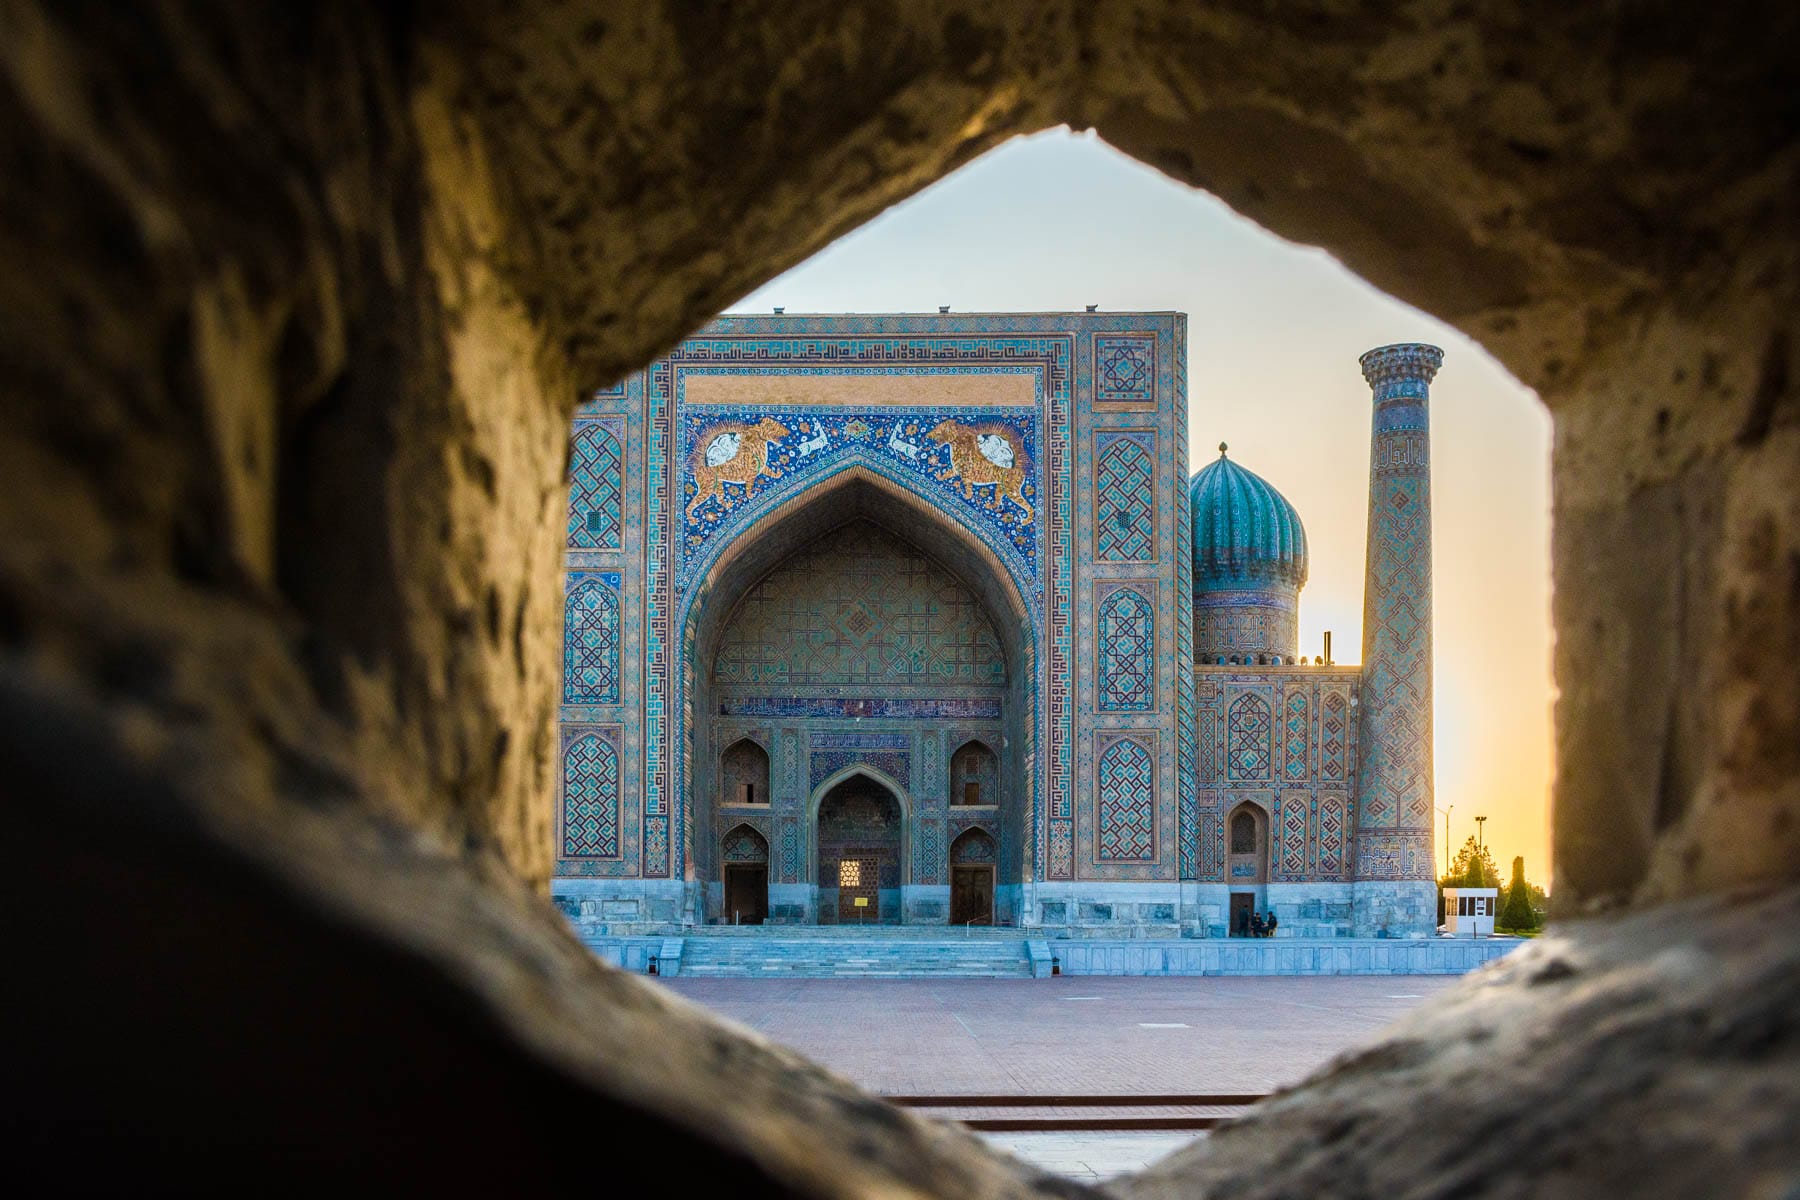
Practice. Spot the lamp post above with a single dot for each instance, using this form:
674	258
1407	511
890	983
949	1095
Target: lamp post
1447	812
1480	829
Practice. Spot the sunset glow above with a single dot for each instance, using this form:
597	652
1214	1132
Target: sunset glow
1059	221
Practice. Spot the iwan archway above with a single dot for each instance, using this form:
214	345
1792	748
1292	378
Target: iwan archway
865	637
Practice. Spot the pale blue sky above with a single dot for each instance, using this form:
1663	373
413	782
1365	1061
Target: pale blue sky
1058	221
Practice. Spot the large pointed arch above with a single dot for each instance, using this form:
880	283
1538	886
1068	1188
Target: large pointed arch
861	489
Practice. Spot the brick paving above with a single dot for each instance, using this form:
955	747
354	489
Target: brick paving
1069	1035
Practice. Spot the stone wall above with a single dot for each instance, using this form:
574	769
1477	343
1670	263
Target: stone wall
299	303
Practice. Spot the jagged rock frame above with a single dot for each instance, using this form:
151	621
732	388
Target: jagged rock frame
298	302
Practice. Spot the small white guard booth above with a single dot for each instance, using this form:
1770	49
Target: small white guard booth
1470	912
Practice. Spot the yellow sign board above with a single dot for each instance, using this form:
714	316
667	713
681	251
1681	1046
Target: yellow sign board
861	902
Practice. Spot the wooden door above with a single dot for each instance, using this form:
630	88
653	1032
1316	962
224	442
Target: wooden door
746	893
972	895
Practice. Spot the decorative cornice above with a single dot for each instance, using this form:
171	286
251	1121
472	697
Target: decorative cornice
1401	361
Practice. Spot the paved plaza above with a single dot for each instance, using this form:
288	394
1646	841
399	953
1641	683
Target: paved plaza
1068	1035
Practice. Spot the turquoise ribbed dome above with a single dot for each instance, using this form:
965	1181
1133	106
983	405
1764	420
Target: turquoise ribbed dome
1246	534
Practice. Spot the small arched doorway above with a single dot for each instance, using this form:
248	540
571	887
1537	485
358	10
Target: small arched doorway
1246	863
861	835
973	859
744	856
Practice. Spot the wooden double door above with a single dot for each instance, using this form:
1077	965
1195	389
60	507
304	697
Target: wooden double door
972	894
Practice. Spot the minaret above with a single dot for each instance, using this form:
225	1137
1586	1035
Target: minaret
1395	870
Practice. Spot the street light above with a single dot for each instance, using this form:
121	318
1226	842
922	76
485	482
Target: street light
1480	828
1447	812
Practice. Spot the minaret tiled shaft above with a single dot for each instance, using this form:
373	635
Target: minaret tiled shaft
1395	797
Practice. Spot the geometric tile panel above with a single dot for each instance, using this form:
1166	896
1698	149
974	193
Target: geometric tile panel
1127	664
1293	836
595	479
1294	731
1212	846
1124	501
1249	735
591	640
1331	836
1333	737
1125	368
897	765
590	798
744	845
1127	803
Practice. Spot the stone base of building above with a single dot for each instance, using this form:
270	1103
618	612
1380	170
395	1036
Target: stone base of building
1281	956
1091	905
1400	908
590	902
1384	910
841	952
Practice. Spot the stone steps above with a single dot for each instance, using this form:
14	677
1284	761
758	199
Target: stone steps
839	957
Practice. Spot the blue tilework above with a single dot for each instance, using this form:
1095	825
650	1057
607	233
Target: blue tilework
591	796
1125	498
1125	368
987	465
1394	821
591	638
1072	511
596	483
896	765
1248	737
1127	803
1127	660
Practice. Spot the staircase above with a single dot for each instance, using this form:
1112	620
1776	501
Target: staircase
842	954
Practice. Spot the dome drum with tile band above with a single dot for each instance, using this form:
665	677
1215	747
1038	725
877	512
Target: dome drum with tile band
848	596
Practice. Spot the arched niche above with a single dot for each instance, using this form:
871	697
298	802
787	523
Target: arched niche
744	774
859	495
860	822
974	775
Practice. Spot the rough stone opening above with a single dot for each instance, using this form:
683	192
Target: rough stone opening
298	308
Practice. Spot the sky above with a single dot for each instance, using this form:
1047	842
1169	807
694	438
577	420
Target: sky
1058	221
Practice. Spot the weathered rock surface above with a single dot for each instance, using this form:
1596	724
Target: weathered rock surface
298	301
1650	1055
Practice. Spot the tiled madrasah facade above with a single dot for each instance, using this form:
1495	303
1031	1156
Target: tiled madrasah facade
918	619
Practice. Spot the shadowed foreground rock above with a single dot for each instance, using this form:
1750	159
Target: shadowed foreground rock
1661	1023
298	301
355	1000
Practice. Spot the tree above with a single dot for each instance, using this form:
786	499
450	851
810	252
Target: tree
1518	913
1474	867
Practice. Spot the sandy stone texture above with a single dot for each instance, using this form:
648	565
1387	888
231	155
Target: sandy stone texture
298	303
